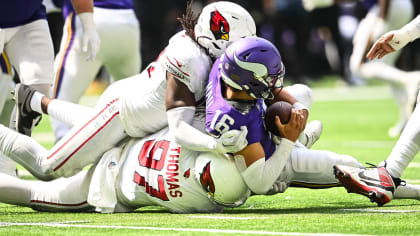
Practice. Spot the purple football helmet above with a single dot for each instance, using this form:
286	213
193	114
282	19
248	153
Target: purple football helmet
253	65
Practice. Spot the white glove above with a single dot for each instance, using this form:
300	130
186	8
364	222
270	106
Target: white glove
309	5
232	141
90	35
278	187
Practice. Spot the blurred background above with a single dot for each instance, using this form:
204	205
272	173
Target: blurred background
312	44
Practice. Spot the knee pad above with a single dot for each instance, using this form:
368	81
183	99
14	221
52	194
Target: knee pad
302	93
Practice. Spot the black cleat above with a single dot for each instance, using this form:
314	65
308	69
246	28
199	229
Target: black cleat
26	118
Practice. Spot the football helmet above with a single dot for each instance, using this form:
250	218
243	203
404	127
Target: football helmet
218	176
220	24
252	65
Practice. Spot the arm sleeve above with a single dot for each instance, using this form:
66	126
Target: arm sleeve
413	29
179	120
261	175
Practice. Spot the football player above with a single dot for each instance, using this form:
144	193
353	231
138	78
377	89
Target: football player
164	93
27	47
383	16
116	23
380	183
153	171
240	82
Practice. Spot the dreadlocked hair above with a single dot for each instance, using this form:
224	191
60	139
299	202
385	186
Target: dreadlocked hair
188	20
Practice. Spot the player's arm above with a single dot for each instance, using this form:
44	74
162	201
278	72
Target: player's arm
260	174
284	95
180	109
84	10
395	40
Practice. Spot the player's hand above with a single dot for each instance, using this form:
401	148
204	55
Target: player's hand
387	43
232	141
310	5
292	129
91	38
305	114
278	187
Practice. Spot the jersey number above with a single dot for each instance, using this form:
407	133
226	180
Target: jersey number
224	123
152	156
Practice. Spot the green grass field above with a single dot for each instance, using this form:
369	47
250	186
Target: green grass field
356	121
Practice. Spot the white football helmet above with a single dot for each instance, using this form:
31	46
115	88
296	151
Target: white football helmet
220	24
220	178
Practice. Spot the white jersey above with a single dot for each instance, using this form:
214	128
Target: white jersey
143	109
158	171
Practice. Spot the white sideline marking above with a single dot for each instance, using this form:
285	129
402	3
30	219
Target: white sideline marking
43	137
346	93
381	210
368	144
228	217
414	165
412	181
224	231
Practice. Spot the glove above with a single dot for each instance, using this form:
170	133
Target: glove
90	35
232	141
310	5
278	187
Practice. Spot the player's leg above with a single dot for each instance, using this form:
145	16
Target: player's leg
64	194
73	72
83	145
403	84
406	148
33	60
7	166
314	168
123	61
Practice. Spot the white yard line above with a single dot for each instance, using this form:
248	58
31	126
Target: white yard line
217	231
228	217
414	165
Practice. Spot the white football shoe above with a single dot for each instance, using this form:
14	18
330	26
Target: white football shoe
311	133
375	183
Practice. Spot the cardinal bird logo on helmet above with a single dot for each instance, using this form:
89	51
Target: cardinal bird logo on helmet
219	26
206	180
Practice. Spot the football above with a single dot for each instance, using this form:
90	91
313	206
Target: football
281	109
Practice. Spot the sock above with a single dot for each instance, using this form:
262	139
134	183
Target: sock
36	102
407	146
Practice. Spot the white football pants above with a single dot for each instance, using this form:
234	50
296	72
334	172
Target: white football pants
119	53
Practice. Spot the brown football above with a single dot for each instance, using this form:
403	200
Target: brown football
281	109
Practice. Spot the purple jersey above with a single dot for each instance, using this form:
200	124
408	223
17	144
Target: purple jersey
19	12
223	115
110	4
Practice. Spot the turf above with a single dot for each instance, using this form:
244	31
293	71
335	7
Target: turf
353	125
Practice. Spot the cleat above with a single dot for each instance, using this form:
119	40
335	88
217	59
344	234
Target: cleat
374	183
25	118
311	134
